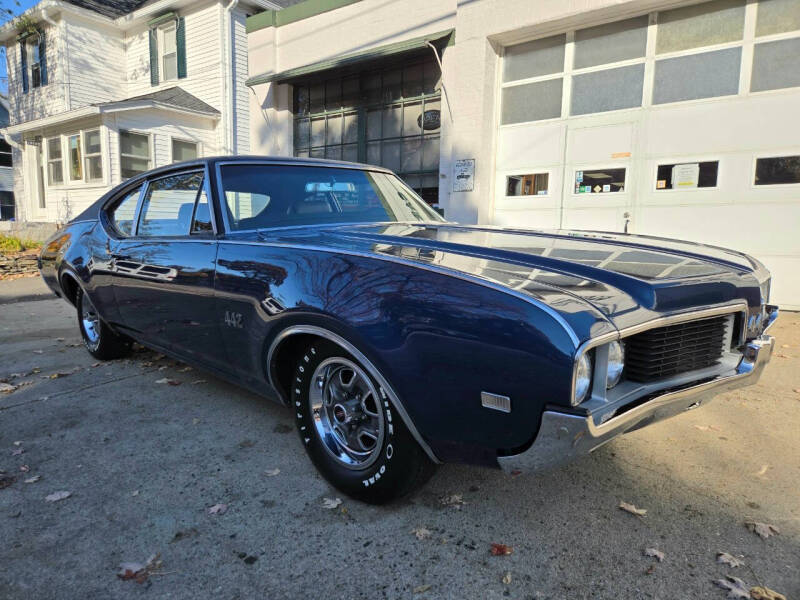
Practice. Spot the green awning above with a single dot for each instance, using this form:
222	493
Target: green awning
439	39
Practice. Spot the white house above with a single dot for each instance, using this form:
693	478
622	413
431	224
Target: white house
673	118
100	90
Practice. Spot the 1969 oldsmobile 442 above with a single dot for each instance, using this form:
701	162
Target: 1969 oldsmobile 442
400	340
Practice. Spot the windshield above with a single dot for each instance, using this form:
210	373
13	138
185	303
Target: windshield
263	196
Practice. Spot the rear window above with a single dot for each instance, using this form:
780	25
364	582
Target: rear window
124	211
264	196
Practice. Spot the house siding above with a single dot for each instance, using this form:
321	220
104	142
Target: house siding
91	79
241	111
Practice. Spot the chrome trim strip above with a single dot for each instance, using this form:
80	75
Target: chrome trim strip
563	437
428	267
652	324
336	339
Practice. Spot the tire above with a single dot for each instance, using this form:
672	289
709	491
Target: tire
99	339
350	430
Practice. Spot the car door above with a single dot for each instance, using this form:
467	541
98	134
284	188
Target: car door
164	272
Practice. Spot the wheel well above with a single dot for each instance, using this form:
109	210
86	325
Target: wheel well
70	288
284	358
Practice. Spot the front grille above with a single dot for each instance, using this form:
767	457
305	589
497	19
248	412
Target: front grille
675	349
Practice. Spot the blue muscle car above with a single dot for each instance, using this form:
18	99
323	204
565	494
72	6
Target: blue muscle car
400	340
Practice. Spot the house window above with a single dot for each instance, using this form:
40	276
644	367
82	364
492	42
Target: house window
55	165
682	176
777	170
75	162
134	153
168	47
5	154
527	185
93	158
7	206
34	62
183	150
600	181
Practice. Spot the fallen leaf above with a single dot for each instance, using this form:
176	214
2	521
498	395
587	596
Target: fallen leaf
33	479
7	388
762	470
651	569
135	493
59	339
24	468
17	451
137	571
198	381
657	554
421	588
246	444
736	587
506	578
763	529
639	512
454	500
728	559
218	509
272	472
331	503
782	355
184	370
18	443
764	593
421	533
500	549
38	351
706	428
169	381
56	496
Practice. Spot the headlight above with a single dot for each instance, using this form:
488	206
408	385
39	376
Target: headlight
583	379
616	362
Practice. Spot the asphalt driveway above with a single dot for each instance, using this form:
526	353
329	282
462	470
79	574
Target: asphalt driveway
144	461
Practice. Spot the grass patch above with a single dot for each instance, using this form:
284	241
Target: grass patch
10	244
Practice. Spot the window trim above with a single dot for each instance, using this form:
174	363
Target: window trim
65	143
150	151
772	186
86	155
196	143
48	160
657	162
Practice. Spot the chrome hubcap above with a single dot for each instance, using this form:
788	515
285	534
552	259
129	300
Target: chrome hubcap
345	408
91	322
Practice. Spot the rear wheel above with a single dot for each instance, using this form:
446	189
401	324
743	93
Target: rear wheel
99	339
350	430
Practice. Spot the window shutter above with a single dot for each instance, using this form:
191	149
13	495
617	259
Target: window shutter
23	62
153	57
180	43
43	58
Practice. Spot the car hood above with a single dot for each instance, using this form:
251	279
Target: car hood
596	280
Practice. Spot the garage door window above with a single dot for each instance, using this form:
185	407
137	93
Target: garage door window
534	184
600	181
699	25
682	176
777	170
704	75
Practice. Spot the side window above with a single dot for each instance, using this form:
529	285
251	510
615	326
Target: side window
169	205
123	213
202	216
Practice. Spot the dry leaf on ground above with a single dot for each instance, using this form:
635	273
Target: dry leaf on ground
506	578
421	533
764	593
706	427
454	500
728	559
657	554
331	503
735	587
33	479
421	588
500	549
168	381
7	388
272	472
763	529
639	512
56	496
762	470
137	571
17	451
198	381
218	509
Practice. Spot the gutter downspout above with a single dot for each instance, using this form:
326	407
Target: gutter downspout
229	89
9	140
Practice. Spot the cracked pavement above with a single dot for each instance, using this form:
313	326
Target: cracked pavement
144	462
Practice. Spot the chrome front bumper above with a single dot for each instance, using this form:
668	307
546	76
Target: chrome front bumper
564	437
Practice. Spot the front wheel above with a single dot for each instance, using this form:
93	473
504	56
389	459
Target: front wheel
99	339
350	430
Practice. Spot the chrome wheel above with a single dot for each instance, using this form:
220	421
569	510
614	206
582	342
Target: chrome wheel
90	322
346	411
